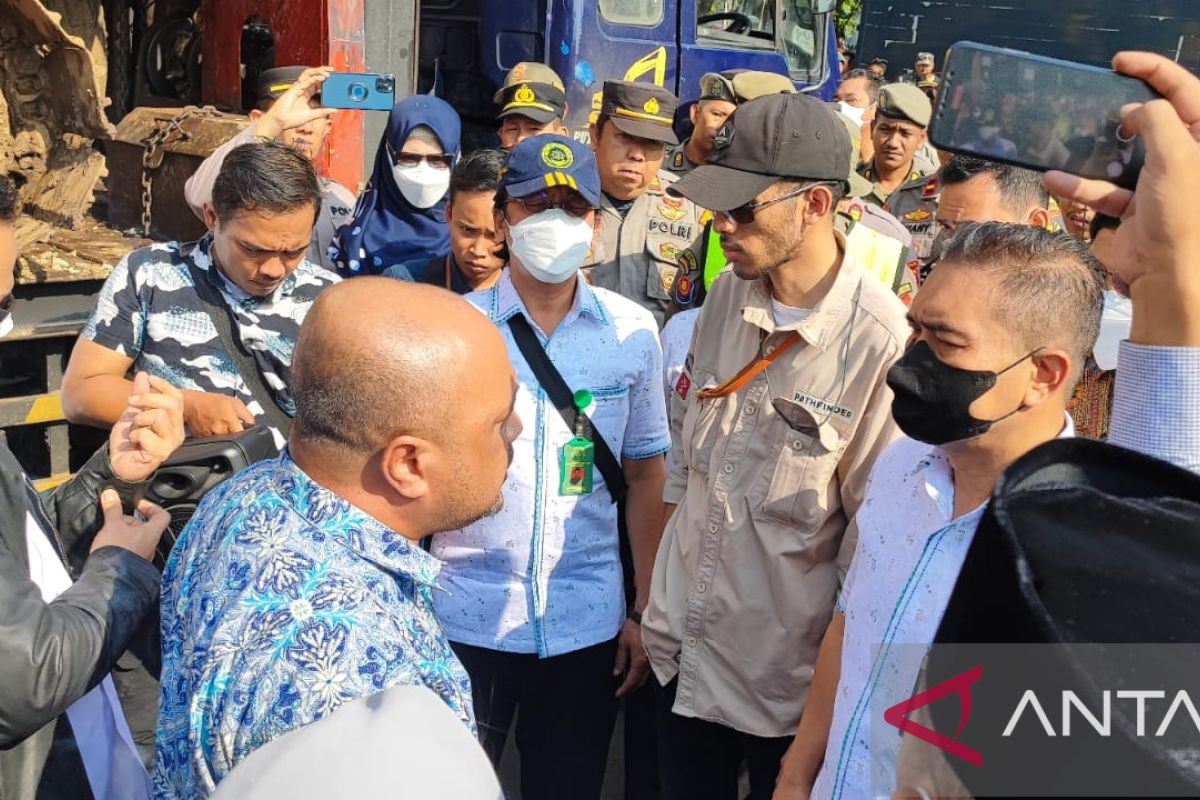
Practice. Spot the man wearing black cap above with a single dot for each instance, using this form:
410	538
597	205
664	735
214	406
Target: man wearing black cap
720	95
776	419
532	101
288	110
645	235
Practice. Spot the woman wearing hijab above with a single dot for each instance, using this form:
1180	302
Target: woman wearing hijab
401	216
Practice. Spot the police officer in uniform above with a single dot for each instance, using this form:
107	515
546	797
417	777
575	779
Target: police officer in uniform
720	95
643	233
532	101
904	109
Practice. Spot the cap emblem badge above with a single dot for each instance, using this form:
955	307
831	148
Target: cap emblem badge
524	94
723	137
557	156
651	106
518	72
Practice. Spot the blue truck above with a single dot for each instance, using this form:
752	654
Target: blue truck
467	46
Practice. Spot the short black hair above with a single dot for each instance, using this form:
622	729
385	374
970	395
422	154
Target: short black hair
1020	189
8	199
478	172
265	176
875	83
1051	287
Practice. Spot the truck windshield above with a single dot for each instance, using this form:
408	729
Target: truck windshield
751	24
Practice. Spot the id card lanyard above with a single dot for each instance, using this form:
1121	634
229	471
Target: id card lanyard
579	454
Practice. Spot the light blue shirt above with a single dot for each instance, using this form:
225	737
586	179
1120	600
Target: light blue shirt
910	551
544	575
1156	403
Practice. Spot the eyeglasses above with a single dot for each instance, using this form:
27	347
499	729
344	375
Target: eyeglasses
744	214
436	160
540	201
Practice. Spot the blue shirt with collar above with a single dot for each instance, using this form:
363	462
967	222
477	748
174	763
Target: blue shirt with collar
544	575
280	602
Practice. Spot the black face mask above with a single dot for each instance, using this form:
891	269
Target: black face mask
933	399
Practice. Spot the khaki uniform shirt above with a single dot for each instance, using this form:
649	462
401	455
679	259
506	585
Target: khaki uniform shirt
637	256
676	160
915	205
751	560
337	203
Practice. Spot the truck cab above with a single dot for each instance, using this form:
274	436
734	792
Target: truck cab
467	46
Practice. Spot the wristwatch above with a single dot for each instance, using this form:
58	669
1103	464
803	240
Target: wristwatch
636	616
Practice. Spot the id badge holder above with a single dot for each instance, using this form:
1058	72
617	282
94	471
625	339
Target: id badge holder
579	454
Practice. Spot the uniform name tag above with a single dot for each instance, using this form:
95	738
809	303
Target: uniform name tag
819	406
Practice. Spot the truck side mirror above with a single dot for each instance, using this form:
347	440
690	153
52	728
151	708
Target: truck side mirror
823	6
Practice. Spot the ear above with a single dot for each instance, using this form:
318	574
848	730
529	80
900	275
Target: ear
1039	218
210	216
924	137
593	134
694	112
405	461
820	202
255	114
449	208
501	225
1052	368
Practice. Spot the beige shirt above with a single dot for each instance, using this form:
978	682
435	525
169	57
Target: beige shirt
337	203
750	563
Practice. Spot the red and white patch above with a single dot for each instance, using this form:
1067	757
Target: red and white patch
683	385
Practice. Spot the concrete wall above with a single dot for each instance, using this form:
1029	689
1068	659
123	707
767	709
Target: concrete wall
391	46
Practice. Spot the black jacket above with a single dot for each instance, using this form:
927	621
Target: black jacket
52	654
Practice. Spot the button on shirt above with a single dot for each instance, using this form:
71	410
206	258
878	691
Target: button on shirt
281	601
910	552
544	575
149	311
765	480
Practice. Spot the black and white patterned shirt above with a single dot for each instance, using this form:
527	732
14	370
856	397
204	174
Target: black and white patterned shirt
149	310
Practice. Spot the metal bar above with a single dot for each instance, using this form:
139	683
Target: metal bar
31	409
58	437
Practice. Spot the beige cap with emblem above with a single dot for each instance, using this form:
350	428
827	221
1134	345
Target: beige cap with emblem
905	101
532	90
737	86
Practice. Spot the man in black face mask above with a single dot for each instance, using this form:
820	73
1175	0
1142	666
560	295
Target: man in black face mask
1000	331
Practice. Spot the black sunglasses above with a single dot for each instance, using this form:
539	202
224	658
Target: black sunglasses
744	214
540	201
437	160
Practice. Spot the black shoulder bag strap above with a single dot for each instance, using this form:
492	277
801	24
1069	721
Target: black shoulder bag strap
222	319
564	400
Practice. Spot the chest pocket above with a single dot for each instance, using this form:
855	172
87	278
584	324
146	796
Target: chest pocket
794	491
665	241
610	416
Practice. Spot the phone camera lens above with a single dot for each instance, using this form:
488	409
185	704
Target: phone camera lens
358	92
385	85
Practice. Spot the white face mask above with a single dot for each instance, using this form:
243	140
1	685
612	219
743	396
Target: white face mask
552	245
853	113
423	185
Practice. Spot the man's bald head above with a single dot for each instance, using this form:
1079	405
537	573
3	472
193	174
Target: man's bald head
404	404
378	358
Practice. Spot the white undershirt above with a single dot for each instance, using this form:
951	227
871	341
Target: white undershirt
787	315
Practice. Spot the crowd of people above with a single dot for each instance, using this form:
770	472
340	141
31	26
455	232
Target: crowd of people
563	426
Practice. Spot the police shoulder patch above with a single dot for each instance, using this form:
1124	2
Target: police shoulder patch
677	161
920	215
930	189
688	262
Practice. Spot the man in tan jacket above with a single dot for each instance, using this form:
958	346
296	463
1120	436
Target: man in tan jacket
776	420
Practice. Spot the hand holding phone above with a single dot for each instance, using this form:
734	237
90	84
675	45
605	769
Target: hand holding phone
362	91
1037	112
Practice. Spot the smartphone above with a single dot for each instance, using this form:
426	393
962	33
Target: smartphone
363	91
1037	112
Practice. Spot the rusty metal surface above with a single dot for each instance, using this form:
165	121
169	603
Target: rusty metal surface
52	74
171	218
86	254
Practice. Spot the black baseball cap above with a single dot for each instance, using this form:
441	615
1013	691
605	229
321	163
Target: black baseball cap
640	109
272	83
774	137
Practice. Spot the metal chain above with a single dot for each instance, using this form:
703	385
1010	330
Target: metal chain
153	153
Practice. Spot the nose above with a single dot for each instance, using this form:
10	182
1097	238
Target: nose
723	223
272	269
481	246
